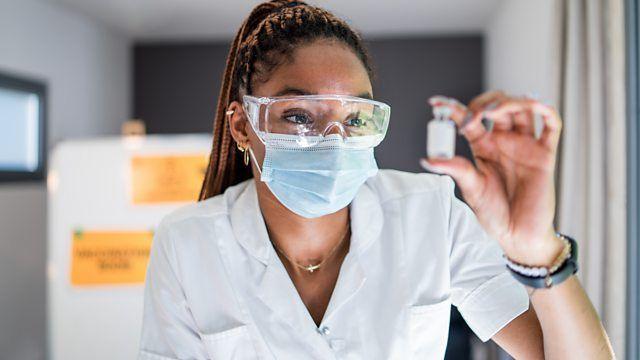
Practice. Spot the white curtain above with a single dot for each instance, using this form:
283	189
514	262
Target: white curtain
591	196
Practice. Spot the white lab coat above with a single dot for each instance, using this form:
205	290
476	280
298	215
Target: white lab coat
216	289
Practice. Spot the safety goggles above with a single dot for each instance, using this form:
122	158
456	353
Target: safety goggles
308	119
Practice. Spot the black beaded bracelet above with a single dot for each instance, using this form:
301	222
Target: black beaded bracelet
550	278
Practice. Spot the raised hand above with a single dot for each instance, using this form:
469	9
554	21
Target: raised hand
511	187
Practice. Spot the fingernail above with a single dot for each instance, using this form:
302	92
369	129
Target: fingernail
463	125
490	107
487	123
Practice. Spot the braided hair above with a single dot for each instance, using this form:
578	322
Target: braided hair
266	39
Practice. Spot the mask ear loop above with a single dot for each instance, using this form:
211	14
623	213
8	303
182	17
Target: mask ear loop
253	159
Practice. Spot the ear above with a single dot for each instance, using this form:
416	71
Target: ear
238	123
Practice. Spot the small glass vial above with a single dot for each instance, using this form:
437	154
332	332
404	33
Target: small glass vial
441	134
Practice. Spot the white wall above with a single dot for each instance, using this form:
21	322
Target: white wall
86	67
520	60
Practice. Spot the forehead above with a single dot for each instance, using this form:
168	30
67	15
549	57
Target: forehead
321	67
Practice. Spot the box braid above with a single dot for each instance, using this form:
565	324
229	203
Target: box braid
266	39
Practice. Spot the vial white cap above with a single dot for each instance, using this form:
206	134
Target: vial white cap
441	112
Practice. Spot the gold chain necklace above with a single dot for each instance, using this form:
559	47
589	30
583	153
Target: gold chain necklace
311	268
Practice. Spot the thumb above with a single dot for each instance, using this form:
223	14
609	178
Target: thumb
460	169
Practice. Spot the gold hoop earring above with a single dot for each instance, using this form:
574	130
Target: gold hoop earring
245	151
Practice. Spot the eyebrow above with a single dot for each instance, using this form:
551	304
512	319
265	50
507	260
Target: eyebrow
296	91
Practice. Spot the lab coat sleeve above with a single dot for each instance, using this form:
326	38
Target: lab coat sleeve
482	289
168	328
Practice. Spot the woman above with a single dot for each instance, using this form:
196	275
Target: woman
301	249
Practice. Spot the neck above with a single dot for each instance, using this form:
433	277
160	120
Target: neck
304	241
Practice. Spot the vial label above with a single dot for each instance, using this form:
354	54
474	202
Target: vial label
441	139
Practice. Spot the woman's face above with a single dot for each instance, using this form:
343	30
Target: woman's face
321	67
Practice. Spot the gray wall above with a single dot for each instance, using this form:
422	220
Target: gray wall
176	87
86	68
409	71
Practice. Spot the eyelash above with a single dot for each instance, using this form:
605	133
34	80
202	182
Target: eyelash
296	114
292	114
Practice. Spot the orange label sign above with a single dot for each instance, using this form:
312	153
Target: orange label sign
110	257
161	179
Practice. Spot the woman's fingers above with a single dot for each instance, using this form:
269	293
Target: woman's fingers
523	150
469	126
481	101
520	115
475	129
550	135
510	116
458	110
468	178
523	122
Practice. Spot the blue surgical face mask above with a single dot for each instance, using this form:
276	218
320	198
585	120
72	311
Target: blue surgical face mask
317	180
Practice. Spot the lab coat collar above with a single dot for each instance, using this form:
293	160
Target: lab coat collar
251	232
275	288
248	224
366	218
277	291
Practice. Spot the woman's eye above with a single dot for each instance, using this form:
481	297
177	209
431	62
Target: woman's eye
356	122
298	118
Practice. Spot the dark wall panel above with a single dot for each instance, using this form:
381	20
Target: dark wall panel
176	87
409	71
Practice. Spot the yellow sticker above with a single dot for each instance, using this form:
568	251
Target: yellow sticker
109	257
163	179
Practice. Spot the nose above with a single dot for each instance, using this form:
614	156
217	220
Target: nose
335	128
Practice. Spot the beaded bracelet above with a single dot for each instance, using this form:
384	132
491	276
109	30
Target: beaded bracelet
541	276
541	271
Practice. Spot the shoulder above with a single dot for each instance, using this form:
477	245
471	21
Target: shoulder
395	184
188	235
204	211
